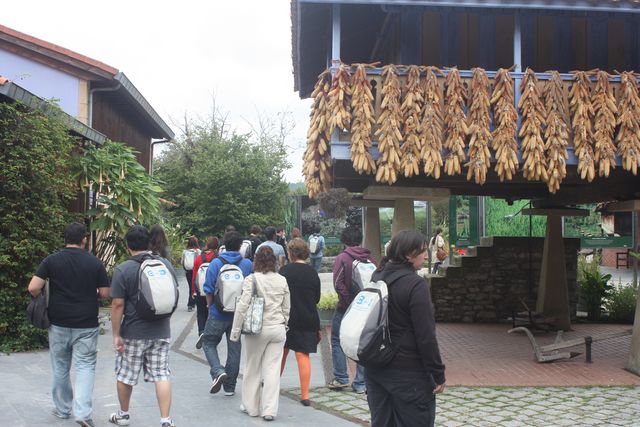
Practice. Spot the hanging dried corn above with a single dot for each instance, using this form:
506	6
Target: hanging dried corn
340	99
505	119
604	124
479	130
432	125
363	120
388	133
532	110
556	133
582	113
455	122
317	160
412	105
628	139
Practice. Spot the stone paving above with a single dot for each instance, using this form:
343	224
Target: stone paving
506	406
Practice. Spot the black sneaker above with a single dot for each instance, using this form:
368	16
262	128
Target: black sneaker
199	342
217	383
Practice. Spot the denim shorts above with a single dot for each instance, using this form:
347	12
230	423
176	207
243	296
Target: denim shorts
152	355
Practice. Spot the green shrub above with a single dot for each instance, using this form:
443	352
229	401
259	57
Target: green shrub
36	187
594	286
328	301
621	303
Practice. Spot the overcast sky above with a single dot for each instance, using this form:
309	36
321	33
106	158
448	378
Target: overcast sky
179	54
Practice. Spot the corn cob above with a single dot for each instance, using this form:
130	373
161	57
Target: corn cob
582	113
604	106
317	159
628	139
479	122
362	124
506	122
340	100
388	133
412	105
556	133
531	108
455	122
432	125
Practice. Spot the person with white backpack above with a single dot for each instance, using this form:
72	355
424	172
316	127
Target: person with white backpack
347	289
200	266
316	246
402	391
189	256
222	285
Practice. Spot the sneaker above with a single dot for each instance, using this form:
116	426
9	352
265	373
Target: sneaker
199	342
337	385
59	414
168	424
229	393
121	420
217	383
359	390
86	423
243	409
268	418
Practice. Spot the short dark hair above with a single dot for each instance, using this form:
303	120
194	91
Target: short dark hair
270	232
255	229
406	244
232	241
265	260
74	233
137	238
230	228
279	229
351	236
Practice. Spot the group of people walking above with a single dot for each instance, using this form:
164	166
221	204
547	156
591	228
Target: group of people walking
284	277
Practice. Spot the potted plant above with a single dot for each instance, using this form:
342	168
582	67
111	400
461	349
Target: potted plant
326	307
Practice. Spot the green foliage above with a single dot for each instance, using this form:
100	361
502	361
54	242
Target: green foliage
328	301
584	226
36	187
216	178
177	238
621	303
594	286
505	220
127	195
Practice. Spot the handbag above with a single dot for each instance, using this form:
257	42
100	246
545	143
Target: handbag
37	309
252	323
441	254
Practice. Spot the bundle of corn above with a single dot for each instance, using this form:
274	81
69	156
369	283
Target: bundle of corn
363	120
411	109
432	125
506	122
455	122
317	161
479	122
628	138
388	133
556	133
532	110
604	124
582	113
339	99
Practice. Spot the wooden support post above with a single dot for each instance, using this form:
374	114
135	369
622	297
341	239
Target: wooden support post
403	216
372	231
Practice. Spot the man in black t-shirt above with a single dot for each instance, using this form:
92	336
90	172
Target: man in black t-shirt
76	279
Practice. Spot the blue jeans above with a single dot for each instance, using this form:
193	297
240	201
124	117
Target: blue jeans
77	345
213	331
340	359
316	263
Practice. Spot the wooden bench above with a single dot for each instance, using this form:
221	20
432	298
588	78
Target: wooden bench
551	352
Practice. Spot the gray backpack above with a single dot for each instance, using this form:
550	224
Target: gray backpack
228	287
157	296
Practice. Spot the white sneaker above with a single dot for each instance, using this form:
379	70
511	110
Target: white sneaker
120	420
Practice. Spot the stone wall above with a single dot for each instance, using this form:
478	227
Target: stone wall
488	286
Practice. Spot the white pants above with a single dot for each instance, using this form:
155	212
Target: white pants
264	355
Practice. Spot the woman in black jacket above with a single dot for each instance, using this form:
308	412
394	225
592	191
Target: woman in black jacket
402	393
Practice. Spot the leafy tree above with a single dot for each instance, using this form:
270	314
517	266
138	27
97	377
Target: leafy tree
216	177
36	187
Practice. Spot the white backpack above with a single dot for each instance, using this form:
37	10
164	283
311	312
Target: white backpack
157	295
314	243
228	287
188	258
364	331
245	249
361	272
201	275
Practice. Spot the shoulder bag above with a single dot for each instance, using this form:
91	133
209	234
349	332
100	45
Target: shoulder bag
252	324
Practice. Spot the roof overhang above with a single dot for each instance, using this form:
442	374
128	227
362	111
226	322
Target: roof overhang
13	92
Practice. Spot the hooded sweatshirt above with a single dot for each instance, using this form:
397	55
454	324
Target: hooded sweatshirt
232	257
343	273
